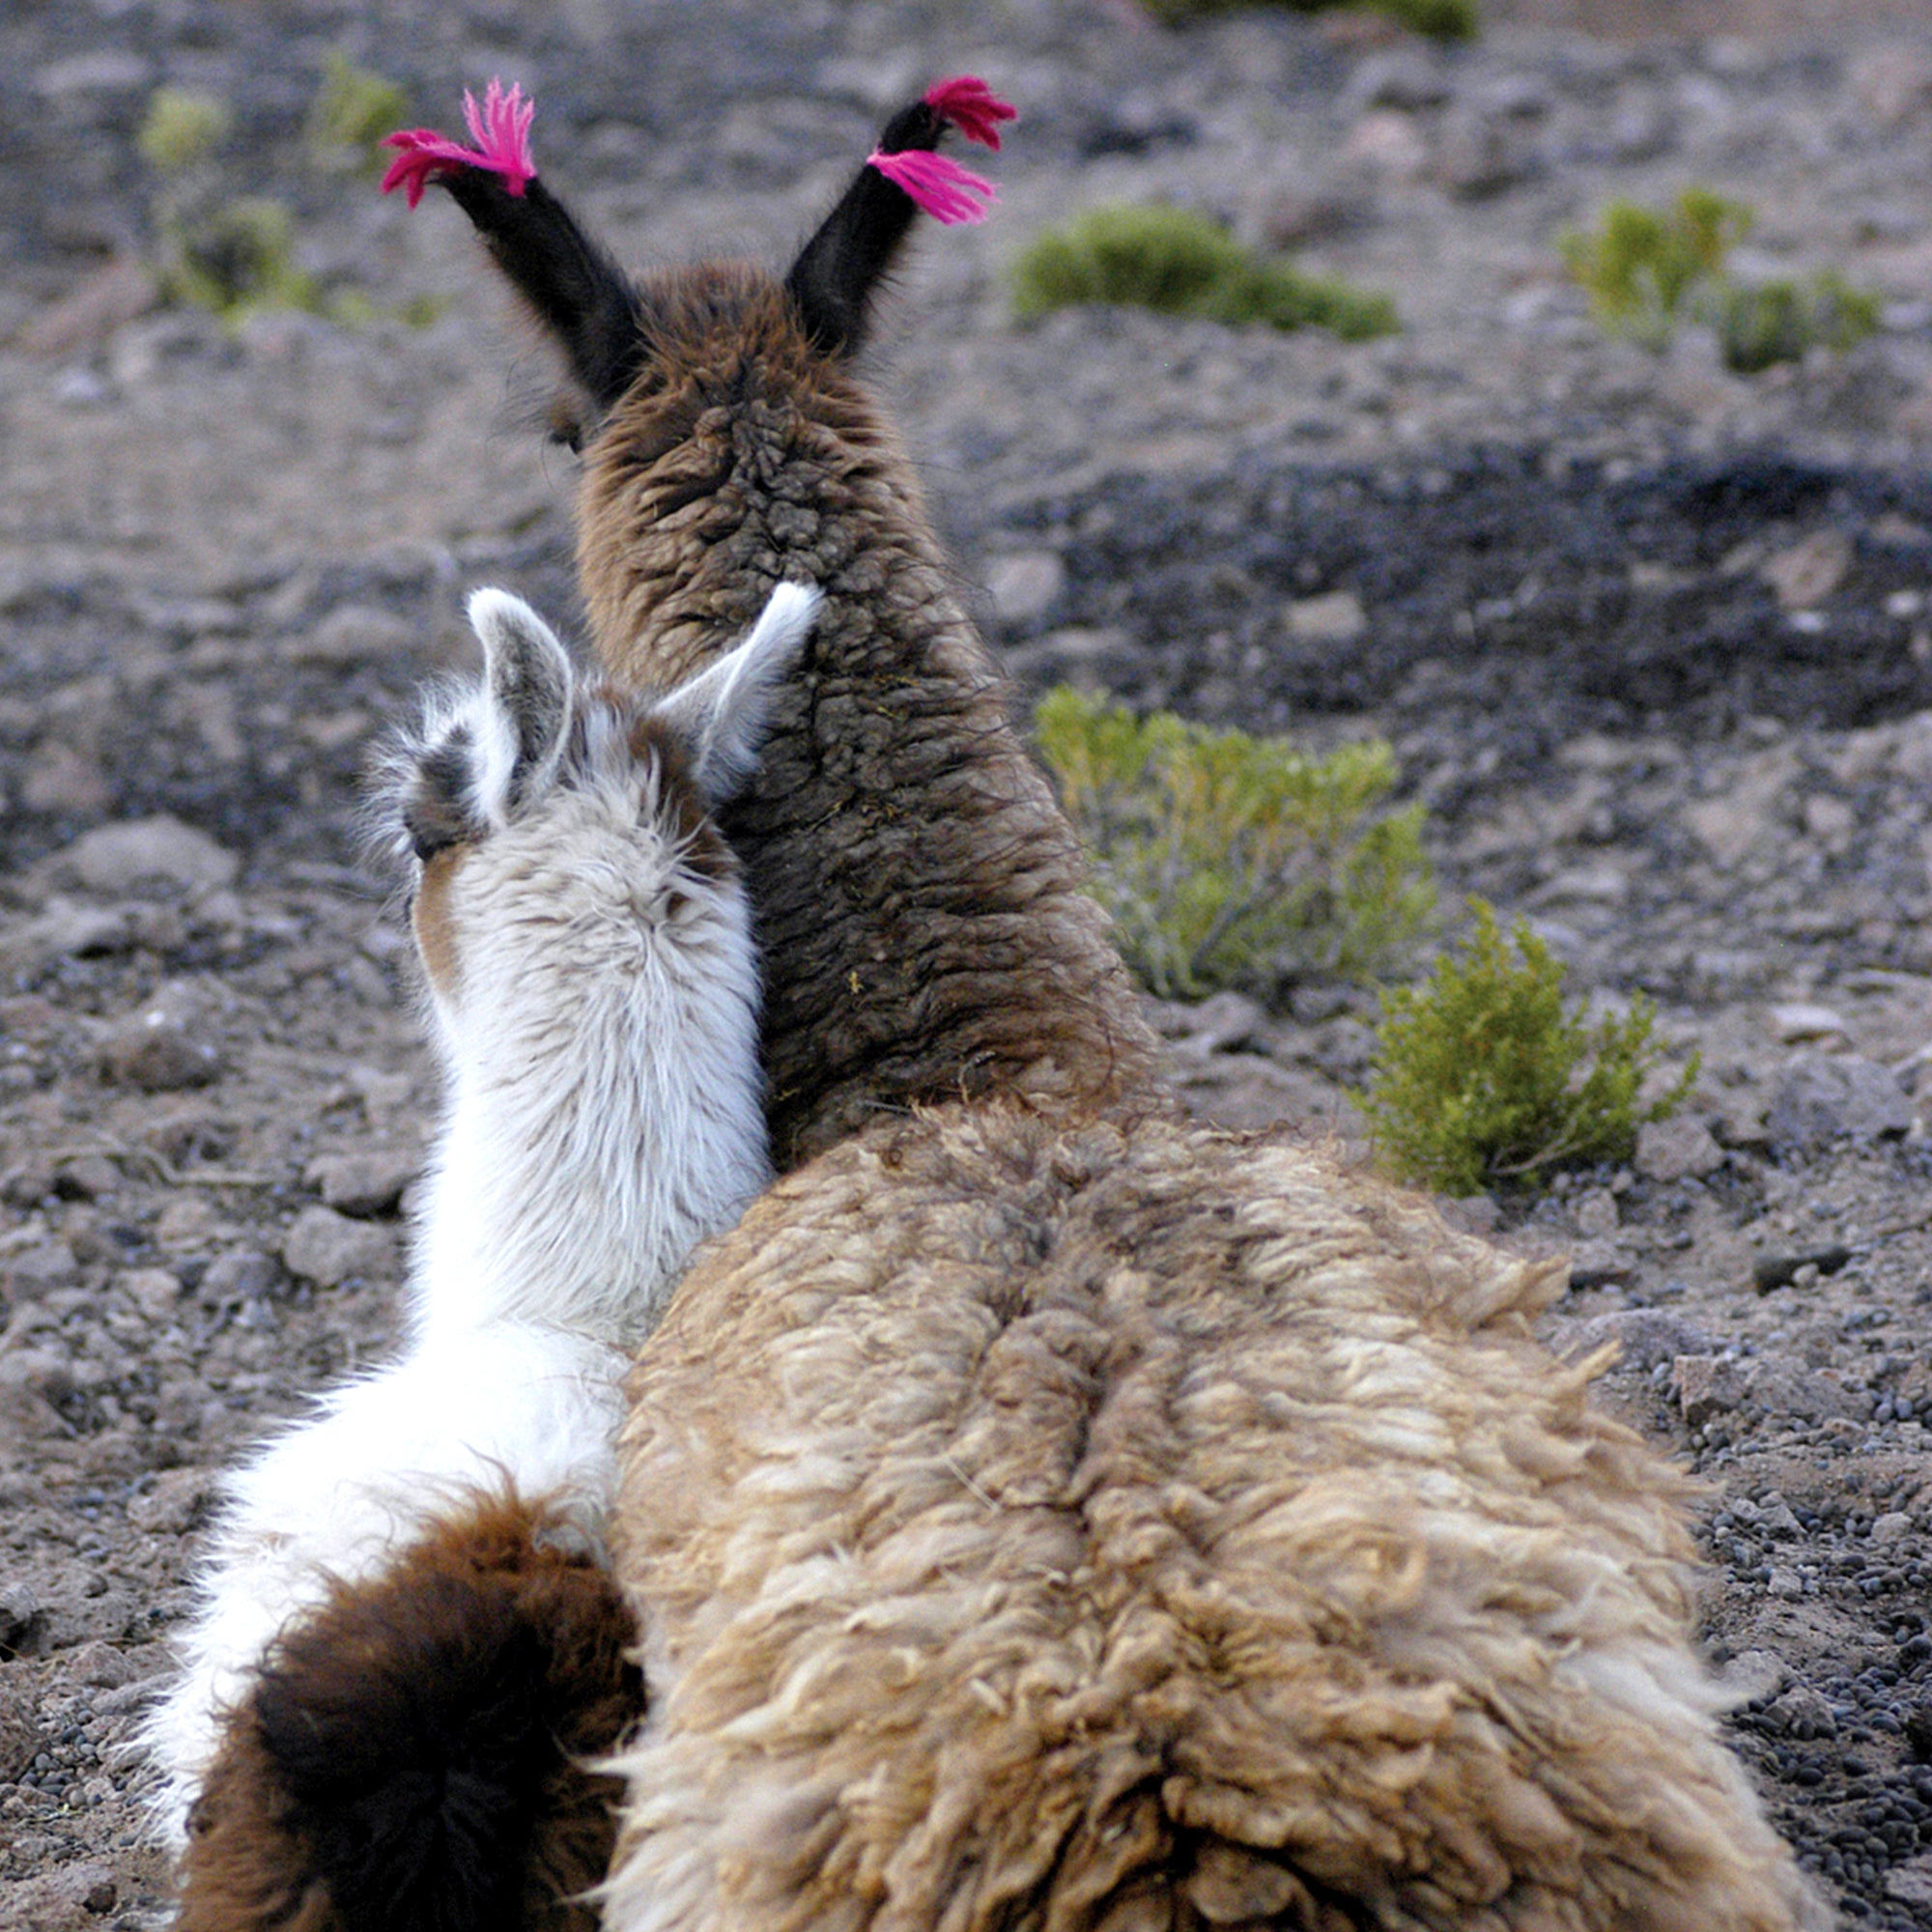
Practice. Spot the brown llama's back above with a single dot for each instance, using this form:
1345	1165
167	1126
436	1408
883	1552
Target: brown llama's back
1138	1528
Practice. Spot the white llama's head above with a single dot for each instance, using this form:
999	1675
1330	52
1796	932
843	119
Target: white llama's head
560	833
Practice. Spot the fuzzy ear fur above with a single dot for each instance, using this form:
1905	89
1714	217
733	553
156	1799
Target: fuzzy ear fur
411	1757
527	673
721	715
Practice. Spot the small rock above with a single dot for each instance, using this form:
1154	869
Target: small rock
1785	1582
1752	1676
19	1612
328	1248
1595	1213
353	633
1707	1386
362	1185
1893	81
1334	619
102	1665
1387	141
1824	1097
239	1277
64	778
1805	1714
1890	1527
1776	1271
1680	1148
155	1292
170	1044
1807	573
1644	1336
1803	1021
21	1735
116	858
1025	588
178	1502
81	320
32	1272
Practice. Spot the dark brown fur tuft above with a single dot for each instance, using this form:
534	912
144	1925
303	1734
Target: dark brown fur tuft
410	1759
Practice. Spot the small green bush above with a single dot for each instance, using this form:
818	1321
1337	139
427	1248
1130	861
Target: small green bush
1484	1078
1762	323
181	127
1179	263
1233	861
353	109
1440	19
1646	271
233	257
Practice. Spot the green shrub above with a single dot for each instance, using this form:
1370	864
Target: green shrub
1440	19
353	109
233	257
1484	1078
1233	861
1179	263
180	128
1645	272
1759	323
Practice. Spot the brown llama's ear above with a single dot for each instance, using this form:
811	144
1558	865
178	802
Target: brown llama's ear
575	290
837	272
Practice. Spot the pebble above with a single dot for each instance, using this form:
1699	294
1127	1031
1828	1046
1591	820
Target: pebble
328	1248
362	1185
169	1043
178	1502
1025	588
1799	1022
1819	1099
1679	1148
118	858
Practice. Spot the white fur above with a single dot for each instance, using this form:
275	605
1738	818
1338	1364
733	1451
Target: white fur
596	1016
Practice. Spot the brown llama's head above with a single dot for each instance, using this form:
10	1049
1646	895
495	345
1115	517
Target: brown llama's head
614	332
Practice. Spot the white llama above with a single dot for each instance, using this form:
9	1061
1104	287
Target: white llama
587	945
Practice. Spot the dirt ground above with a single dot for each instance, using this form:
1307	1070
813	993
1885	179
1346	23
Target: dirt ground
1653	642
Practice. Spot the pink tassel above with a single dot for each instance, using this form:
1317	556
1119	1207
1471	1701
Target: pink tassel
500	128
972	106
947	191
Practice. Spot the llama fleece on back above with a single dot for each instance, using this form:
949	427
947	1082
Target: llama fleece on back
1138	1528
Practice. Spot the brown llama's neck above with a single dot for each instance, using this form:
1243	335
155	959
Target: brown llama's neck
916	892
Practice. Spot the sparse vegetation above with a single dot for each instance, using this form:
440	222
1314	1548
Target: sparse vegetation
1485	1077
1233	861
1440	20
234	255
1179	263
180	128
1645	273
353	109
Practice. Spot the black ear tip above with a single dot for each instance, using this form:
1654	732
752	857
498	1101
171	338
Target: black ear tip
838	271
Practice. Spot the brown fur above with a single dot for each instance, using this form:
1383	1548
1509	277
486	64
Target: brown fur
266	1845
918	891
1133	1526
429	919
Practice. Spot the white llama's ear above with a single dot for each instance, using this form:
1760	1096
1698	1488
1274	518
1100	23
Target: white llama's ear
721	715
527	673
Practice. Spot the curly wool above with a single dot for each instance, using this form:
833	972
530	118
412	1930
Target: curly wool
1139	1527
920	896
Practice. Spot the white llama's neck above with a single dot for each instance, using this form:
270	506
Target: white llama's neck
599	1125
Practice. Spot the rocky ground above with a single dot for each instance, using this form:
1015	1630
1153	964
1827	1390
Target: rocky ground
1654	643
